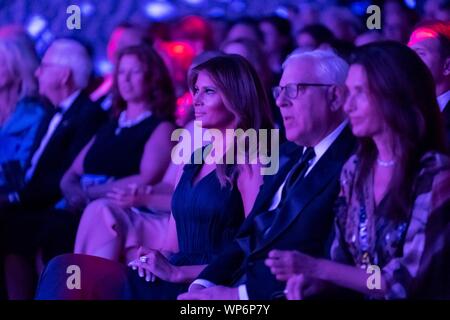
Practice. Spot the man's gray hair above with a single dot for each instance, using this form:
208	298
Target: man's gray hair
330	68
70	53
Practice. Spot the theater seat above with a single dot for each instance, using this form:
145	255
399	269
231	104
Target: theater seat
81	277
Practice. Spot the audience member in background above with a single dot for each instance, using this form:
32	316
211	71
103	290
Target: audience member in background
177	56
397	21
124	35
134	151
278	43
210	200
431	41
196	31
437	10
63	74
368	37
392	212
309	13
254	53
313	37
342	22
292	13
220	27
245	28
22	114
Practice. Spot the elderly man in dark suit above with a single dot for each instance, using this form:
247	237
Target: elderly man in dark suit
294	208
63	75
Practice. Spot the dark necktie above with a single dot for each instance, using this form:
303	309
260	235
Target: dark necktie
299	170
264	221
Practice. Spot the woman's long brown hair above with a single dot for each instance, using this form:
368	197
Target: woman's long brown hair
403	88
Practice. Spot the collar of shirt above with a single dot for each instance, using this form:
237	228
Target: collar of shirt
325	143
319	150
67	102
443	99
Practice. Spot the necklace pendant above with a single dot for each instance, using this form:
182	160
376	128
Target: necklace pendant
383	163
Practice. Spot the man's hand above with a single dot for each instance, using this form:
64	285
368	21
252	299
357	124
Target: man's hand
286	264
212	293
299	287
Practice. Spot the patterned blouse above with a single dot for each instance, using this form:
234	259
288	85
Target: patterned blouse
403	250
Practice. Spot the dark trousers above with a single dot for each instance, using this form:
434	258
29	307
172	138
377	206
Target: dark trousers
25	231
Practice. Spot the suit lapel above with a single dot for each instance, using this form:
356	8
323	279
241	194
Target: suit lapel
70	114
321	175
273	182
446	116
267	192
446	113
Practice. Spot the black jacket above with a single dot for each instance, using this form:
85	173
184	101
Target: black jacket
446	114
78	125
304	222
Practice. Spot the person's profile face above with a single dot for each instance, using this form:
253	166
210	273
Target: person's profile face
306	116
428	49
209	106
50	75
131	79
362	110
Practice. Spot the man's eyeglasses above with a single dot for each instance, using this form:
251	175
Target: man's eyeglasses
293	89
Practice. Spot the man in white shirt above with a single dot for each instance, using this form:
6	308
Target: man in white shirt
294	208
63	74
431	41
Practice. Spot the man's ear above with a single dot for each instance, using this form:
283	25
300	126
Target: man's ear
447	67
66	75
336	97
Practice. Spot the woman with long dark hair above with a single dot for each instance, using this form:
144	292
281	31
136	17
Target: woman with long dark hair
392	214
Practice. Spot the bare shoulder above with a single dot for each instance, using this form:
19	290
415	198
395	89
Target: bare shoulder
162	133
165	127
250	177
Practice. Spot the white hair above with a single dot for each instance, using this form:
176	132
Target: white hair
70	53
329	67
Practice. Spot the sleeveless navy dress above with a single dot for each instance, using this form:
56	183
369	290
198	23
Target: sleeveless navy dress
207	218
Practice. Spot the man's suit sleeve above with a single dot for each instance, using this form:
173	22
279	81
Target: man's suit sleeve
224	268
47	189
